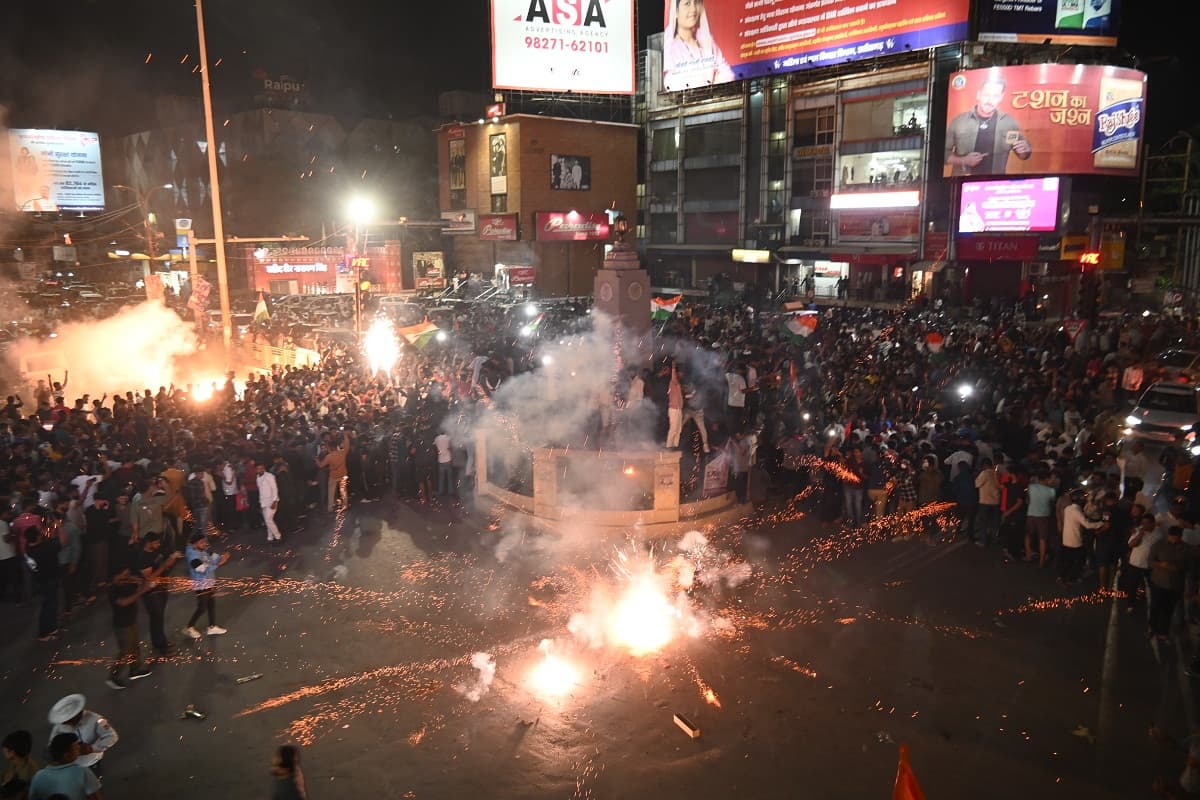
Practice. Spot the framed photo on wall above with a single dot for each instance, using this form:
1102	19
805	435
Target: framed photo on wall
573	173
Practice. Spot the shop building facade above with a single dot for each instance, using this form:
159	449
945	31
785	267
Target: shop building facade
801	180
531	199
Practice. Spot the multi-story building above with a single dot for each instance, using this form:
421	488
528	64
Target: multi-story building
841	172
534	196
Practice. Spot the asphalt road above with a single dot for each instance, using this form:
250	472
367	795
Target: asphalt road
838	647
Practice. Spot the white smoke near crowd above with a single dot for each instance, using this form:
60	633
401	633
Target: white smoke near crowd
485	666
700	562
141	347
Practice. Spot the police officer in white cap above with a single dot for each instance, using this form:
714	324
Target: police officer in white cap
95	734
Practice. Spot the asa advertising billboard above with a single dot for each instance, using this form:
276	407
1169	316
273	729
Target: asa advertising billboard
1039	119
563	45
56	170
718	41
1023	205
1077	22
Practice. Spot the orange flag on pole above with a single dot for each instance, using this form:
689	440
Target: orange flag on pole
906	787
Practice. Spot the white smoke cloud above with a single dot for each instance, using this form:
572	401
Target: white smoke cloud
485	666
141	347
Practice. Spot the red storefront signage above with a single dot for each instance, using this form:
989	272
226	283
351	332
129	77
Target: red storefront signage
936	243
456	132
498	227
494	111
572	226
997	248
522	276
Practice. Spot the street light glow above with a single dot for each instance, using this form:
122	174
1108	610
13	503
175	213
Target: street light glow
361	209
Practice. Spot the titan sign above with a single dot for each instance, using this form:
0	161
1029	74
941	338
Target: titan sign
1079	22
56	170
1045	119
563	45
724	40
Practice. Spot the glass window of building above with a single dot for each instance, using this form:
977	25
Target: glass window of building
664	144
718	227
814	126
712	184
664	188
714	139
663	228
899	169
884	117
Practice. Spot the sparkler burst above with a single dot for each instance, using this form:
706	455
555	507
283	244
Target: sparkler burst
643	620
553	676
381	346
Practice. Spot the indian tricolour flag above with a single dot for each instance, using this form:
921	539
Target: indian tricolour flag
261	314
800	326
419	335
661	308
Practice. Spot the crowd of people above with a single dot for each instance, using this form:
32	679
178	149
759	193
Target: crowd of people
873	412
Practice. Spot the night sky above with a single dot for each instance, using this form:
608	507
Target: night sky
81	63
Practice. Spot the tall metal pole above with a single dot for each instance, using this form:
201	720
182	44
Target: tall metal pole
214	183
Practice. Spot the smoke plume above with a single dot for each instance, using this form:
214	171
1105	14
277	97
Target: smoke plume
141	347
485	665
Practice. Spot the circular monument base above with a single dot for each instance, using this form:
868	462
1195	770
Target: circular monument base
607	490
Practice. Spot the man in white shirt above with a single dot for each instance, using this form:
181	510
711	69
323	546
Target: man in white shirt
1070	558
1137	565
736	399
445	464
1133	463
268	500
87	485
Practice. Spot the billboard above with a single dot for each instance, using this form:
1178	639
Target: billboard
570	172
718	42
1024	206
56	170
571	226
1076	22
581	46
1038	119
429	270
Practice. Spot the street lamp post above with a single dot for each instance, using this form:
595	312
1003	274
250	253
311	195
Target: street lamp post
214	182
143	202
362	211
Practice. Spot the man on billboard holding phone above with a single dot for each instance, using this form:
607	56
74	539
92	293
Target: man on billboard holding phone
979	141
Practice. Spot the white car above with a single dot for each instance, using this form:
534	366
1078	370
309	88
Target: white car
1166	413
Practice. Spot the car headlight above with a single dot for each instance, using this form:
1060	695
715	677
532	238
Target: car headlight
1131	420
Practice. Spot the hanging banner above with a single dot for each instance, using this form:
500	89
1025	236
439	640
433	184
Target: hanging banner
201	288
498	163
716	476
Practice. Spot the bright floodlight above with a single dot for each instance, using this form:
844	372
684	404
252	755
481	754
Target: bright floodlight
965	390
547	361
361	209
441	336
530	310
